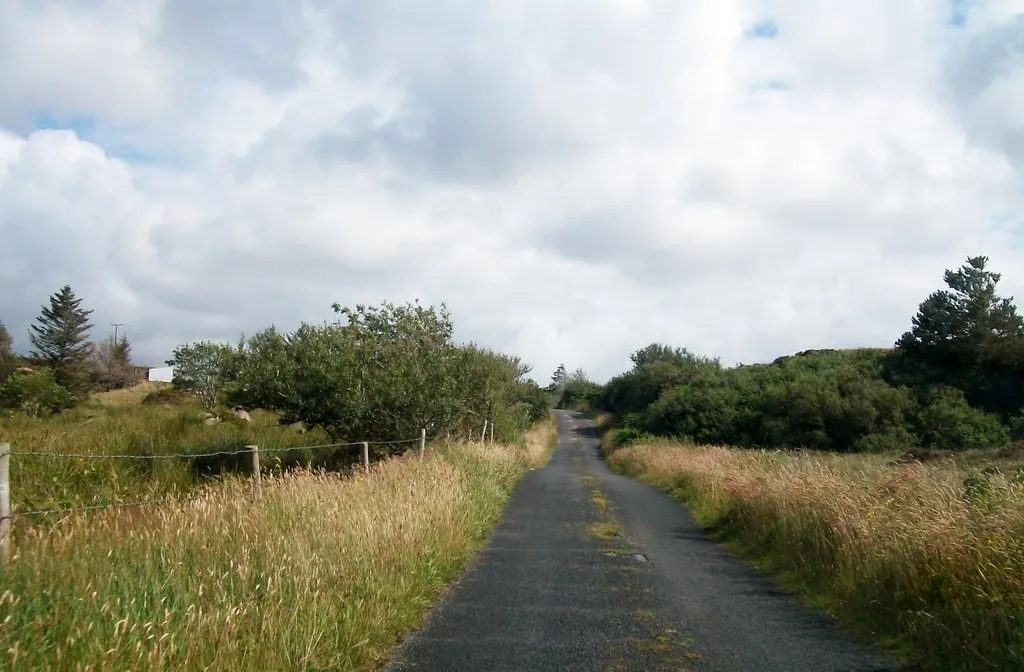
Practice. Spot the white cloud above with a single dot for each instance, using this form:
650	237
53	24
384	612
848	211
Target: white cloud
574	179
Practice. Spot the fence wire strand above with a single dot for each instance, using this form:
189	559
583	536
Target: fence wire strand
182	500
172	456
96	507
391	443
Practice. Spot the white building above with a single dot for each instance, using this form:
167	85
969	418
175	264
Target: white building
161	374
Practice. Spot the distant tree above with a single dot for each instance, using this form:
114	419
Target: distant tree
579	376
658	352
968	337
559	378
112	363
490	386
578	391
206	370
59	340
7	361
656	369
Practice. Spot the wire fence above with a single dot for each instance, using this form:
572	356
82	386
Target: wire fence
252	451
219	453
96	507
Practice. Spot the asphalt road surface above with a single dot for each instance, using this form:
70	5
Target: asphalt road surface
555	588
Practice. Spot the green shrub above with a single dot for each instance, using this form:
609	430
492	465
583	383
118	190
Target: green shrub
36	393
385	373
946	421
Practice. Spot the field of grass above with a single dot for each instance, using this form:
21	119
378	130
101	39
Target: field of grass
118	423
925	557
319	572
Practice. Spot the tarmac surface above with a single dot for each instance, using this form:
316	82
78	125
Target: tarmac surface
589	570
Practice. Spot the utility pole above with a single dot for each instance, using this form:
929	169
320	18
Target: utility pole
115	325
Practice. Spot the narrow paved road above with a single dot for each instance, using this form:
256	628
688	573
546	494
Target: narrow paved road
556	589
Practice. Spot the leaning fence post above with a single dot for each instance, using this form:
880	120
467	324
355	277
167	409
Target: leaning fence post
254	465
423	441
5	500
483	434
366	457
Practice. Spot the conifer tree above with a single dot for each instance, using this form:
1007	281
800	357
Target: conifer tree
59	339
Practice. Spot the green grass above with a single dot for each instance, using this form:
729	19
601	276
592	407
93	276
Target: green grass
926	559
320	572
117	423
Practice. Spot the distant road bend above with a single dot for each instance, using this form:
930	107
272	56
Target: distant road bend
553	590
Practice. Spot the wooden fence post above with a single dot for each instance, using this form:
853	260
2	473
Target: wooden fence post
492	431
254	466
483	434
5	501
423	441
366	457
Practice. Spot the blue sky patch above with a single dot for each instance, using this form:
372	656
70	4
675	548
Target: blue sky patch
1011	224
958	10
82	125
765	29
86	127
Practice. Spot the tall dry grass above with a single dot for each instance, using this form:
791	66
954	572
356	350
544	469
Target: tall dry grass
122	426
924	556
129	396
320	572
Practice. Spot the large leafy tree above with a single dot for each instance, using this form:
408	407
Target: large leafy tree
59	339
382	373
205	369
969	337
491	387
375	373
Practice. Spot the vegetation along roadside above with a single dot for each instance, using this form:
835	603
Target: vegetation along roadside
323	566
884	485
321	572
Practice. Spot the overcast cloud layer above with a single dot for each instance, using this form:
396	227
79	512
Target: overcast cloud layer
576	179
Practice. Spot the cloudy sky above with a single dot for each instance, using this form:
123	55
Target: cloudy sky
575	179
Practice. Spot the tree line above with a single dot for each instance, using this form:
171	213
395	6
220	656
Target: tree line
375	373
64	366
954	380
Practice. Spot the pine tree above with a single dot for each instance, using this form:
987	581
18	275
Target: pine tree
112	365
967	325
122	352
559	378
968	337
59	339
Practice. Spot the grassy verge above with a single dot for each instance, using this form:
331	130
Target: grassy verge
926	558
120	423
320	572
